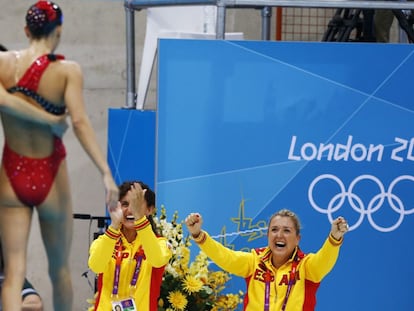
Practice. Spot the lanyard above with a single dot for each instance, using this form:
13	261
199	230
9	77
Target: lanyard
138	258
118	260
292	280
267	279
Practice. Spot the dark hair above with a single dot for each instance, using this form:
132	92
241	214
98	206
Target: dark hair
42	18
149	194
3	48
149	198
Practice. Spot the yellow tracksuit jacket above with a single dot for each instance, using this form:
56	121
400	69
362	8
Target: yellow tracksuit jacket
252	266
102	259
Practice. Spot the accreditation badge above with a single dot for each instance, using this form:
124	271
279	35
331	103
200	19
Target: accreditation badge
124	305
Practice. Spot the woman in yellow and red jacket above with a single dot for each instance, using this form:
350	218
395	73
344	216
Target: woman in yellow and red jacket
279	277
130	257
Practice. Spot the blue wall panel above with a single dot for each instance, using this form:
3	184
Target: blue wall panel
131	145
239	128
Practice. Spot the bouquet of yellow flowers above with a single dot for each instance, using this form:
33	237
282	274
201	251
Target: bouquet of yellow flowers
191	286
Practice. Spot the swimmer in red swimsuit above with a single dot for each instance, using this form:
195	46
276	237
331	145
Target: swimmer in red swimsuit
32	178
34	169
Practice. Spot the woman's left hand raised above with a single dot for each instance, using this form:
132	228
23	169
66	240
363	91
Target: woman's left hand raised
137	201
339	228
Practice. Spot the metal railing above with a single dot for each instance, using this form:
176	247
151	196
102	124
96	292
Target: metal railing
135	5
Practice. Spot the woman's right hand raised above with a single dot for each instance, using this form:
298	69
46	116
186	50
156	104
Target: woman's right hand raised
193	223
116	215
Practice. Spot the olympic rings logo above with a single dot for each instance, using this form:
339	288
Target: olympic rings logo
357	203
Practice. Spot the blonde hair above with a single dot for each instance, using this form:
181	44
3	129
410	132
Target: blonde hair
291	215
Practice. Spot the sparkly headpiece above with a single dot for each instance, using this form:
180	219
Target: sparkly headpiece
43	17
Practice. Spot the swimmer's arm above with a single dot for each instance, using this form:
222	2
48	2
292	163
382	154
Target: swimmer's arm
84	131
18	107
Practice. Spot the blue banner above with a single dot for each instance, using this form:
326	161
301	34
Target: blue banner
325	129
131	145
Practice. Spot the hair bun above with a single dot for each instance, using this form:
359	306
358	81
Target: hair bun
42	17
36	19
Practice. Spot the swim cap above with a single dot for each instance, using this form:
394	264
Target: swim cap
42	17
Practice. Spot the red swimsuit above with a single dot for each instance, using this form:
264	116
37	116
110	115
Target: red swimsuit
30	178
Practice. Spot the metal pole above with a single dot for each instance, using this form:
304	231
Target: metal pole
221	20
130	58
266	19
